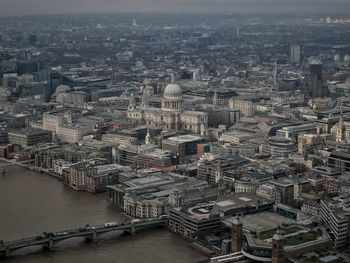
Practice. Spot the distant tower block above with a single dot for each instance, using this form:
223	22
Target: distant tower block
215	98
134	23
277	247
237	235
237	32
275	73
295	54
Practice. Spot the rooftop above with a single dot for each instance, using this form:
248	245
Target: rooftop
184	138
238	200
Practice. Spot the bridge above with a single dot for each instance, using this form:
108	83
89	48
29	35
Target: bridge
91	233
4	163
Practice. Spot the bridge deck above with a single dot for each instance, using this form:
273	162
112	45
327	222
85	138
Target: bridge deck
79	232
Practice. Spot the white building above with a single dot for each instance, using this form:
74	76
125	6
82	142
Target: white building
246	106
63	127
269	191
171	115
335	214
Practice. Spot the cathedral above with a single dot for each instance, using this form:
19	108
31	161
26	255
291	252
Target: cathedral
171	116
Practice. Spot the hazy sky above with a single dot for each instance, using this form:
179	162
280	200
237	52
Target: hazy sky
25	7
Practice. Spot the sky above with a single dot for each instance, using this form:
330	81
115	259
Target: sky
29	7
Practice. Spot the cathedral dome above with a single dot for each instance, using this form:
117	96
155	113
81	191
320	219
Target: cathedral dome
172	91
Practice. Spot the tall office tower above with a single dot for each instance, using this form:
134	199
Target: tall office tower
314	82
32	39
295	54
134	23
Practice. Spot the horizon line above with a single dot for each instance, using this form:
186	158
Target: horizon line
275	13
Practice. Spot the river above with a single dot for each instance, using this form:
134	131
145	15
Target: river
31	203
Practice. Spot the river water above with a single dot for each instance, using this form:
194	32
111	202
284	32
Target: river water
31	203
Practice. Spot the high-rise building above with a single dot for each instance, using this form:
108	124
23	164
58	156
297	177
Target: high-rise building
32	39
295	54
314	81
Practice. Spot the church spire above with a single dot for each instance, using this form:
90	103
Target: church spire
148	138
132	101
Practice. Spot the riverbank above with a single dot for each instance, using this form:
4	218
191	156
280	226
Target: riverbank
34	203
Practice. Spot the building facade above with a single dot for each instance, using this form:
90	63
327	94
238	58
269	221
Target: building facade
171	116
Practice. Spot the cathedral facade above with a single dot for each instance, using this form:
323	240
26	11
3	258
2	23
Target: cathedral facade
171	115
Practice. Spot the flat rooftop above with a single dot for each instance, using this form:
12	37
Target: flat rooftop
237	200
264	221
184	138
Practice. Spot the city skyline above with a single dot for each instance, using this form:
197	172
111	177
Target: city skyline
175	131
33	7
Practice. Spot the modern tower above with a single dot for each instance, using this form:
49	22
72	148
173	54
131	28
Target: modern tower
295	54
275	73
314	81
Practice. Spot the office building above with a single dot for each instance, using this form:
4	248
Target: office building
314	82
182	145
295	54
29	137
335	215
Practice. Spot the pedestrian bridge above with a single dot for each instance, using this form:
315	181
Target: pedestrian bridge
90	233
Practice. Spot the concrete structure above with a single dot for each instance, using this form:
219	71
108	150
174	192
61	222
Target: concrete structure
49	240
335	215
182	145
29	137
279	147
211	167
339	160
246	106
155	194
64	128
241	203
194	222
269	191
286	187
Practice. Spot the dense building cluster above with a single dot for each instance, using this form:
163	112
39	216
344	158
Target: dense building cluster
237	130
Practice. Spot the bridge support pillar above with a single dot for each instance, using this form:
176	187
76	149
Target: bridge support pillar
133	230
94	236
51	245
